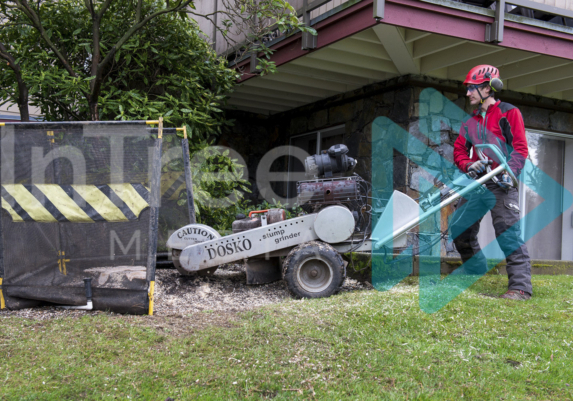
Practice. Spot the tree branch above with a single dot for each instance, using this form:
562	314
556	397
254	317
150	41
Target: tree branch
96	69
65	108
181	5
23	6
22	88
89	5
230	43
8	57
104	8
95	53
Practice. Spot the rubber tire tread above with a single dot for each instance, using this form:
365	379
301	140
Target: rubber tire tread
299	254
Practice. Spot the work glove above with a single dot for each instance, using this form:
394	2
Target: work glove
505	181
477	168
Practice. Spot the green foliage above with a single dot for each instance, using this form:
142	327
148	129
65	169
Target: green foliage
22	40
165	69
218	184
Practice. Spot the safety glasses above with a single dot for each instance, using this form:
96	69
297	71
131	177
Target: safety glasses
472	88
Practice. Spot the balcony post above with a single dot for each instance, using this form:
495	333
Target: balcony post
309	40
378	6
494	32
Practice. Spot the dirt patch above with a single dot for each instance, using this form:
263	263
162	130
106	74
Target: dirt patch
187	303
224	291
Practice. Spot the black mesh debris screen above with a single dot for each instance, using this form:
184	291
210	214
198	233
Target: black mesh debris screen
79	200
176	209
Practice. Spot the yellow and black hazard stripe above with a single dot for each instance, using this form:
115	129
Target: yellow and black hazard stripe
52	203
172	183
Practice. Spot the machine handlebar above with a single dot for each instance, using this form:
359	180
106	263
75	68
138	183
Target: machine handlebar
257	211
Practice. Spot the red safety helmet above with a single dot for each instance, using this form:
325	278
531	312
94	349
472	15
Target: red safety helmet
480	74
484	73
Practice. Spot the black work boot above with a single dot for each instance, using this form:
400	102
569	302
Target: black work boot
517	295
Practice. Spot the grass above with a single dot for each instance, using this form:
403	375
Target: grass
361	345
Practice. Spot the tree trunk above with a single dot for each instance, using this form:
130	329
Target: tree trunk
94	112
95	91
22	88
23	101
95	84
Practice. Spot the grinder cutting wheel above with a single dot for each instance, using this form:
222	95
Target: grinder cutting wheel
190	235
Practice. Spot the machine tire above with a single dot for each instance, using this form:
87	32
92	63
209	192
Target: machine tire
175	253
313	270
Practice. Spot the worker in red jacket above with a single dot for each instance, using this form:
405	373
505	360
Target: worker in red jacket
501	124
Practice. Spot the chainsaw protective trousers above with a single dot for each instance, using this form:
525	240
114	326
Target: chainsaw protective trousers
464	228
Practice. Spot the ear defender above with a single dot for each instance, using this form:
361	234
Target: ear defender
496	84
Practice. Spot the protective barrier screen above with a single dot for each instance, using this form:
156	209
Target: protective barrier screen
78	202
174	212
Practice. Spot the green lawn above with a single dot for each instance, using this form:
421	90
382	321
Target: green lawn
360	345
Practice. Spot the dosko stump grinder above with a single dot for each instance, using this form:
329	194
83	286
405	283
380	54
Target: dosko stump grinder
306	250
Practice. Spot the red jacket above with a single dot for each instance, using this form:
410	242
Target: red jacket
502	126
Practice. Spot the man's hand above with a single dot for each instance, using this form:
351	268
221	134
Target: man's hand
477	168
505	181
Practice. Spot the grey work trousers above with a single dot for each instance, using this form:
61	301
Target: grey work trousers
464	228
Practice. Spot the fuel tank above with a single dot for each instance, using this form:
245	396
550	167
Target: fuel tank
248	223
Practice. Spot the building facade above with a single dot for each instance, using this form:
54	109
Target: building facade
406	60
10	113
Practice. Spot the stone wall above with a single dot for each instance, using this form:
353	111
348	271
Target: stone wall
251	136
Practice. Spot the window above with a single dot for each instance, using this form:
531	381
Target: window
553	154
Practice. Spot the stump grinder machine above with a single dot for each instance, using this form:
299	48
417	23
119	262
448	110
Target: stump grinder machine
306	250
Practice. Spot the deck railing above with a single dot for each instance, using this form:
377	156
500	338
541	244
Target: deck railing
494	32
312	12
